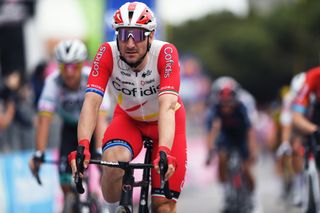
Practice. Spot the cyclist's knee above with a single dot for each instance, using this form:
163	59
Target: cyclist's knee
111	175
162	205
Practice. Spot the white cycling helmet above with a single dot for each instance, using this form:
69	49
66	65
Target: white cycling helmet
71	51
297	82
224	81
134	14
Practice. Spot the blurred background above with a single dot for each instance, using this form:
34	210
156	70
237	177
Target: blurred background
260	43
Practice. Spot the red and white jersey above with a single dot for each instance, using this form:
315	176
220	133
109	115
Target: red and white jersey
309	92
137	92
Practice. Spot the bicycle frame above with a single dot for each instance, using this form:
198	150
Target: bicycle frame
238	195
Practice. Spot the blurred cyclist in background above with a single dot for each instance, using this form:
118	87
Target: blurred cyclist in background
229	127
8	96
144	76
291	146
242	95
64	92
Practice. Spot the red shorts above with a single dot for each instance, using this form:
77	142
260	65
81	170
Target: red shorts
125	131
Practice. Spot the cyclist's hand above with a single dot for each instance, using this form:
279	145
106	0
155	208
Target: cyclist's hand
72	157
172	165
284	149
35	162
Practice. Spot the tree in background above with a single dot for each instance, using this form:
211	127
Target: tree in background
261	52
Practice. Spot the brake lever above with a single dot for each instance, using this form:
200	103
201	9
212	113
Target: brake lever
80	169
163	164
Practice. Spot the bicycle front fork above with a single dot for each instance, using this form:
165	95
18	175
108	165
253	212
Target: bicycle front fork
127	189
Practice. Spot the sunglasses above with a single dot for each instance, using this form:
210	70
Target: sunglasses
137	34
70	67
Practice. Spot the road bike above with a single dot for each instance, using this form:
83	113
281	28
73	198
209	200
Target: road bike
128	180
311	191
237	196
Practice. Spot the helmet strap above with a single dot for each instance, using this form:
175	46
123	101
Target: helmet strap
134	65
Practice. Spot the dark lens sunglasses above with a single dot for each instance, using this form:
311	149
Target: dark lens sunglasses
137	34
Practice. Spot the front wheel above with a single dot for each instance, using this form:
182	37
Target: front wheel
123	209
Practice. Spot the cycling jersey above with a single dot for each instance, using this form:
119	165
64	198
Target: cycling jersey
136	92
309	92
307	100
235	124
56	97
234	128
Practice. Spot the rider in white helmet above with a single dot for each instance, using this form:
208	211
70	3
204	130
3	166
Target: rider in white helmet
63	93
291	141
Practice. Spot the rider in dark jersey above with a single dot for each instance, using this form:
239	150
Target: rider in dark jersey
229	127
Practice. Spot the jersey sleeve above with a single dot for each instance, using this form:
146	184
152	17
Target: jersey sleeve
48	98
302	100
101	70
169	70
211	114
245	115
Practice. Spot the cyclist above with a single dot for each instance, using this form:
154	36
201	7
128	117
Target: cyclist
306	113
243	95
143	74
64	92
291	140
229	127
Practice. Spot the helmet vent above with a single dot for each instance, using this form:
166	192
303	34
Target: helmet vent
68	48
130	14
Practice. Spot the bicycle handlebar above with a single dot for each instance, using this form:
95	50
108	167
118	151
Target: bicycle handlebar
163	164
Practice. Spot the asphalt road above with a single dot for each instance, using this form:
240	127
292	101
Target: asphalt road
203	194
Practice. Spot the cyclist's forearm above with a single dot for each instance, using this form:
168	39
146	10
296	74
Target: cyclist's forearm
285	133
42	131
166	122
252	140
213	134
102	124
303	123
88	116
7	116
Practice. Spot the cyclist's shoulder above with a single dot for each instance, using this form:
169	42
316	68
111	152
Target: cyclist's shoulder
313	73
106	47
53	77
159	45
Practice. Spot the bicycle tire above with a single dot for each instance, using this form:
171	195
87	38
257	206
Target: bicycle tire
311	205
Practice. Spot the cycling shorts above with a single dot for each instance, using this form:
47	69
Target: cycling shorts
124	131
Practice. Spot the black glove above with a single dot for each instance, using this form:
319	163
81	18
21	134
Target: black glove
38	156
38	159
